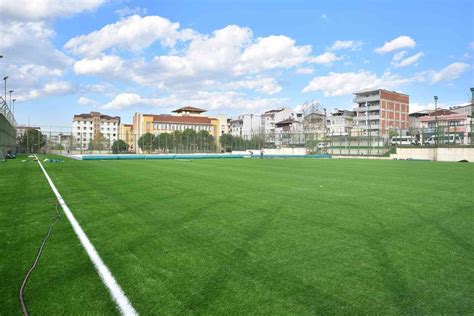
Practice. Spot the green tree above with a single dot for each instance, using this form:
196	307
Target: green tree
31	141
99	142
226	141
145	142
119	146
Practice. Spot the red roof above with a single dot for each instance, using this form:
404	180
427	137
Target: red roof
189	109
164	118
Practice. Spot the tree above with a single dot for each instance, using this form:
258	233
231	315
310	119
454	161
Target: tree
119	146
145	142
32	140
99	142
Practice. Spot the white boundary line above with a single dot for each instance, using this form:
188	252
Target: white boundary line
108	279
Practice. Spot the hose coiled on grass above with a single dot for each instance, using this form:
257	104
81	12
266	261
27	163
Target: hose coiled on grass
33	266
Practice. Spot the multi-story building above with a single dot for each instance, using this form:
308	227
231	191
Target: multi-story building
315	123
379	111
187	117
446	122
87	127
271	117
126	134
414	120
20	129
340	123
246	125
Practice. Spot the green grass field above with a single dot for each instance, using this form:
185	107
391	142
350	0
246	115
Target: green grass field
248	236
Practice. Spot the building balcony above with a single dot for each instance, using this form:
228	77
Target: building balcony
370	117
365	108
363	99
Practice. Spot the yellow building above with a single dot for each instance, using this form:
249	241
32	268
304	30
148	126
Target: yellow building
187	117
126	134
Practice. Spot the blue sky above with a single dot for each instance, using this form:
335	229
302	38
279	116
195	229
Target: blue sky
230	57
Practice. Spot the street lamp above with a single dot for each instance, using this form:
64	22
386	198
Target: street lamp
10	91
5	79
14	106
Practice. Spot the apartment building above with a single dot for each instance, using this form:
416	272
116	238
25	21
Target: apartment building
271	117
340	122
86	127
246	125
447	122
379	111
315	123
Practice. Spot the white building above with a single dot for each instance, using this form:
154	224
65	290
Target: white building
86	127
340	122
246	125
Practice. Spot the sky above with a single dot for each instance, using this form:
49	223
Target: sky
229	57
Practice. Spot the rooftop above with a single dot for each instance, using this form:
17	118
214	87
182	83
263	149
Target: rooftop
365	91
95	114
189	109
167	118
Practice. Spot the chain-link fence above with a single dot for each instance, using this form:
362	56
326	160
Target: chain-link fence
355	143
7	130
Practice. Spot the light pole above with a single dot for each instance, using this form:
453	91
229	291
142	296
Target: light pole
436	121
13	106
11	91
5	79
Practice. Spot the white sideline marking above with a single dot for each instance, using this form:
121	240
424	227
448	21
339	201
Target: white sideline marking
108	279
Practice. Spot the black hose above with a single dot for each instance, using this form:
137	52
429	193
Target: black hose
40	251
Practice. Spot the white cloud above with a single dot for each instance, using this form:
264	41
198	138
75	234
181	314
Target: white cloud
133	33
30	43
352	45
326	58
101	65
45	9
125	100
336	84
450	72
209	100
58	87
398	56
127	11
397	62
264	85
417	107
49	89
275	51
86	101
304	71
397	43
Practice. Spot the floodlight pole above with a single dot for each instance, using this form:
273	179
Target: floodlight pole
11	91
5	79
436	121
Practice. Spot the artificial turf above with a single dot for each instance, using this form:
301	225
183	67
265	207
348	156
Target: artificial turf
256	236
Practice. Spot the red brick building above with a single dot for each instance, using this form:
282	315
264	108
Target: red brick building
378	111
